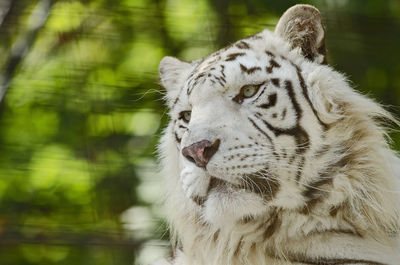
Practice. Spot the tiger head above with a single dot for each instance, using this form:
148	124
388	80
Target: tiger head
265	124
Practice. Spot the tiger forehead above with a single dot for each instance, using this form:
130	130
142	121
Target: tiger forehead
213	69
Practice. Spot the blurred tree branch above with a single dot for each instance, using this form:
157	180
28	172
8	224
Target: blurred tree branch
24	42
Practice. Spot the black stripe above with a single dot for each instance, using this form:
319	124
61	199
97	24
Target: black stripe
199	200
261	184
190	88
177	138
322	150
249	70
272	64
268	137
270	53
259	129
296	105
303	259
276	82
194	80
332	261
259	95
175	102
297	131
306	96
274	225
238	247
300	135
220	79
272	98
242	45
233	56
199	76
300	167
325	177
283	114
216	235
222	70
313	189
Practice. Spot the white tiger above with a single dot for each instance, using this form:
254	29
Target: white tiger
271	158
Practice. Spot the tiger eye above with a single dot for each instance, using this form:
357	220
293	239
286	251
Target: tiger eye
249	91
246	91
186	115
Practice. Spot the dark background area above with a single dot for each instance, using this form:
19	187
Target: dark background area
82	110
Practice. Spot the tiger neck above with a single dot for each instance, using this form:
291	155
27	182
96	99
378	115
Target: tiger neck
285	236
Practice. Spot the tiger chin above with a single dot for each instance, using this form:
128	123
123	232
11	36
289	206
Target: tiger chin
270	157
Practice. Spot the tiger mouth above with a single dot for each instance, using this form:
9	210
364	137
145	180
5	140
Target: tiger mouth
265	187
219	184
216	185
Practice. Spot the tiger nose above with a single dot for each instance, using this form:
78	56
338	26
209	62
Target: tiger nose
201	152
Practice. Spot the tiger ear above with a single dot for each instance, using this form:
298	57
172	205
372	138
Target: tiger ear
173	73
302	26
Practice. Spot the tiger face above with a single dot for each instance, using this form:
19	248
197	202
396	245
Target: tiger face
244	124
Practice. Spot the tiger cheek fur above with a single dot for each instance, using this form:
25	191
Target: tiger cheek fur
268	149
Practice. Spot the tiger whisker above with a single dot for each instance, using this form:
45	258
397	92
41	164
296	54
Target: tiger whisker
257	186
272	177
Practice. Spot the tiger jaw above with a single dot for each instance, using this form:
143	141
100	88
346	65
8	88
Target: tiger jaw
222	202
216	185
199	184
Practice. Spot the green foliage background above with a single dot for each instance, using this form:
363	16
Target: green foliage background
83	111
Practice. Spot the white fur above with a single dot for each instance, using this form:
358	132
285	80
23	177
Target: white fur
361	196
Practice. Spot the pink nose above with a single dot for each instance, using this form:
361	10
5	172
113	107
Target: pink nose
201	152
